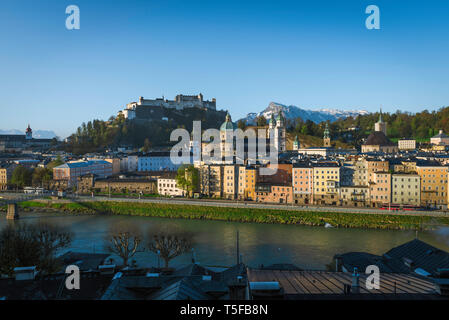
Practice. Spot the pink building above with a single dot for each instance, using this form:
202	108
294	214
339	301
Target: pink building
302	183
380	189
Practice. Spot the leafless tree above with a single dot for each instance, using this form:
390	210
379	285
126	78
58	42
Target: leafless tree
124	240
25	245
169	242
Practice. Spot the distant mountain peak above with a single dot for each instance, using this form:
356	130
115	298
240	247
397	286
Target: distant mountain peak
292	112
38	134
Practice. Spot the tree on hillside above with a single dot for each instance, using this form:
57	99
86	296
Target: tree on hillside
124	240
169	243
57	162
26	245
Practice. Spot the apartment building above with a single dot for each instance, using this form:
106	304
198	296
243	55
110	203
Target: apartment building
268	193
6	171
302	183
326	183
251	176
376	165
434	178
70	171
167	186
230	181
354	196
407	144
406	189
380	189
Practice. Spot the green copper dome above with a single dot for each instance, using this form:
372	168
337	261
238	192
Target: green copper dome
227	125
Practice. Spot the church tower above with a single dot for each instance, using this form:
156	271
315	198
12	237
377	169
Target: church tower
380	125
327	137
28	133
296	144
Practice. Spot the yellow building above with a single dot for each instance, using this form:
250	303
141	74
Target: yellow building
230	181
250	183
434	185
5	176
326	183
406	189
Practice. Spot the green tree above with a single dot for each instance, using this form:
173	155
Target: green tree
187	178
146	145
41	176
21	177
241	124
261	121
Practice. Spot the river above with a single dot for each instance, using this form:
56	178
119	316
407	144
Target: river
215	241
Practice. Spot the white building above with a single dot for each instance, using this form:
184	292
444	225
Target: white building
440	139
407	144
167	186
159	161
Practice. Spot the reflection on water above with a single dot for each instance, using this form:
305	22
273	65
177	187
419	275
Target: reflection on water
306	247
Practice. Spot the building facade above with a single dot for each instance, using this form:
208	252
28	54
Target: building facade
434	184
406	189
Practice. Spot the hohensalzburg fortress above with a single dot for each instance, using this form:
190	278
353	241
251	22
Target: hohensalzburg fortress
181	102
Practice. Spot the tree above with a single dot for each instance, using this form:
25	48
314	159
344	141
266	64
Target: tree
124	240
57	162
146	145
261	121
169	243
26	245
21	177
41	176
241	124
187	178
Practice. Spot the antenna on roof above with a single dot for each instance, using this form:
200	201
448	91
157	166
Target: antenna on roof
238	248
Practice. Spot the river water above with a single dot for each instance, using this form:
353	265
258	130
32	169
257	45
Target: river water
215	241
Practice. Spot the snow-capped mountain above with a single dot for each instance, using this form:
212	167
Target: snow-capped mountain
38	134
293	112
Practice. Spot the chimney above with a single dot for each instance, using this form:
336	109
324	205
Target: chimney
237	289
355	286
338	263
25	273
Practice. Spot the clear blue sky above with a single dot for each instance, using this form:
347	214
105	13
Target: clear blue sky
311	54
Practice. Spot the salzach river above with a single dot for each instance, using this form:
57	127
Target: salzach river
306	247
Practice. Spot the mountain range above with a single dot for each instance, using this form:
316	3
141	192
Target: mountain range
293	112
38	134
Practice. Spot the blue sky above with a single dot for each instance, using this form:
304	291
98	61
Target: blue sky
312	54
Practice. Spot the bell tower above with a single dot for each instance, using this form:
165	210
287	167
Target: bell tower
327	137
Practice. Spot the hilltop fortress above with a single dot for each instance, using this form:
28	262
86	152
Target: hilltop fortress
143	106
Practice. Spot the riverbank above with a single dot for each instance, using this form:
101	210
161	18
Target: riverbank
254	215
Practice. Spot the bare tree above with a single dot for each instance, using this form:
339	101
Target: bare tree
169	243
124	240
24	245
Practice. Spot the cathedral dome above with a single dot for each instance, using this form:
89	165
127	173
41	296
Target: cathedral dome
227	125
